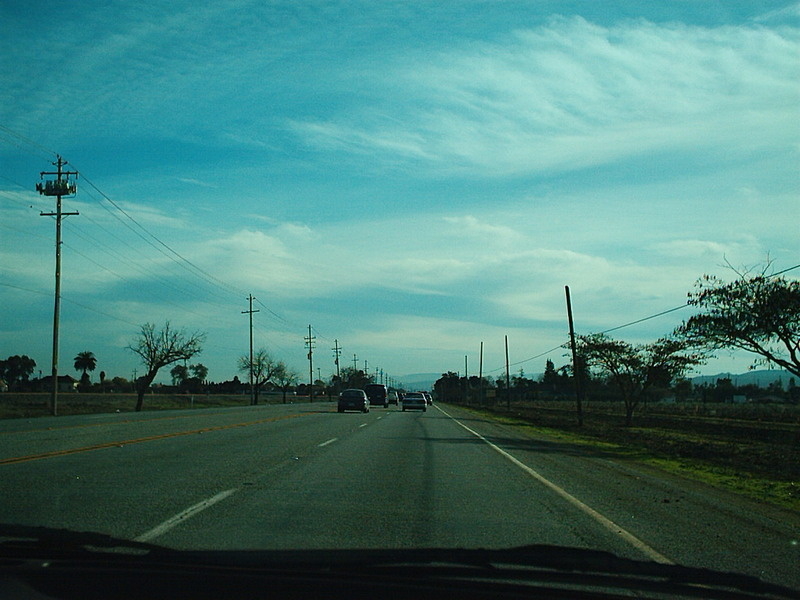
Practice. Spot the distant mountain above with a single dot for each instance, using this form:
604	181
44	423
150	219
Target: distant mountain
760	378
419	381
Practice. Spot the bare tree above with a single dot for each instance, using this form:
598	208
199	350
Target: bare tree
161	348
265	368
285	378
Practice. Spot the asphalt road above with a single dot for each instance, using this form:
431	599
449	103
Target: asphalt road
304	476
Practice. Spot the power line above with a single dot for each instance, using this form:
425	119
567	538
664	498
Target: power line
636	322
664	312
182	260
17	139
273	313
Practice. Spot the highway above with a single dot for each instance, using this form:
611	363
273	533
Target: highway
303	476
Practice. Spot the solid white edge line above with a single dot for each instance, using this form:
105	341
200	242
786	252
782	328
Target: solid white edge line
182	516
604	521
330	441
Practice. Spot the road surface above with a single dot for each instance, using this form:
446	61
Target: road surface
303	476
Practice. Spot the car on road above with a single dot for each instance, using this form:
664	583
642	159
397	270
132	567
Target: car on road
378	394
428	397
394	397
353	399
415	400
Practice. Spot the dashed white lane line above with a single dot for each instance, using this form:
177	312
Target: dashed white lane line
330	441
182	516
363	425
604	521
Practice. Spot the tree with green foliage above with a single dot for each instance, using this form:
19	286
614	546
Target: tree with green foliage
85	361
636	370
757	313
160	348
448	388
16	369
200	371
354	378
179	374
550	377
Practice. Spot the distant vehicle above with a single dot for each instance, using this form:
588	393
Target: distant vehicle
353	400
415	400
428	397
394	397
378	394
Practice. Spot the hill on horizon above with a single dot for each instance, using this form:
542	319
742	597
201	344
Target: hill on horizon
761	378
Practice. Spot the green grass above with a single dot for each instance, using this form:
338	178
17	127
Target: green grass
662	449
781	493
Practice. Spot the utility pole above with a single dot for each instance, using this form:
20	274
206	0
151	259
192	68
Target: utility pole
508	380
466	380
250	312
337	352
62	186
577	371
480	376
310	345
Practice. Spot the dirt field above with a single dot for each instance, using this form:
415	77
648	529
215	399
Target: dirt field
13	405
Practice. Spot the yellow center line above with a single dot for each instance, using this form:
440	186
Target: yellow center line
151	438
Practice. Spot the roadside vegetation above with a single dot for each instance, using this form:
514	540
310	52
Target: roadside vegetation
636	400
751	449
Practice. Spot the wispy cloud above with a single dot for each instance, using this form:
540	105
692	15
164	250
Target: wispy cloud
198	182
573	94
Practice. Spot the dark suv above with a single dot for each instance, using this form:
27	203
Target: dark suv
378	394
353	400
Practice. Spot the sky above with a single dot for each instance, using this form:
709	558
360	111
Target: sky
411	179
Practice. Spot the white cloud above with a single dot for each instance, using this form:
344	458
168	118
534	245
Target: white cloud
573	94
702	251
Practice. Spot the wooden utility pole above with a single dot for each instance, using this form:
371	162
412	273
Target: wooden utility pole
480	376
508	379
466	380
310	345
62	186
337	352
250	312
576	367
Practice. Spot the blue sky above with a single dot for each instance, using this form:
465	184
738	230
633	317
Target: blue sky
410	178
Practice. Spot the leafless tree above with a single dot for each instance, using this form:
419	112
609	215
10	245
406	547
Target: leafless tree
265	369
161	348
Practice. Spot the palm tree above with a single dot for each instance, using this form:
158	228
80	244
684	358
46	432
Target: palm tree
85	361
